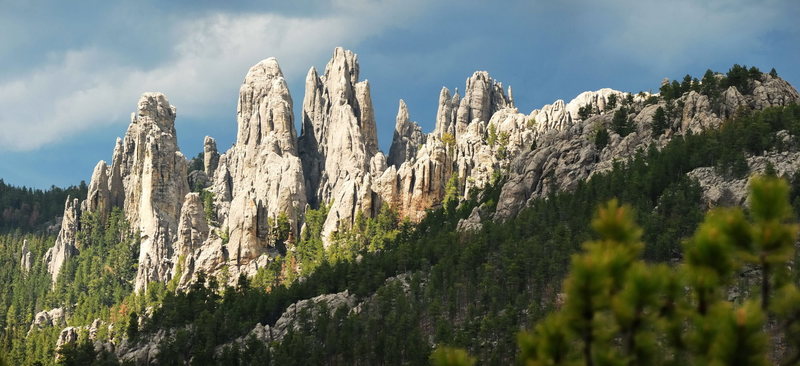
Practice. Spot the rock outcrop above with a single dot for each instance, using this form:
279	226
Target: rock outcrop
153	173
98	199
210	156
720	190
192	232
48	318
565	154
407	139
255	183
338	140
66	243
68	335
26	257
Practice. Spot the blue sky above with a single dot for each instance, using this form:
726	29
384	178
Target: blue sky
71	72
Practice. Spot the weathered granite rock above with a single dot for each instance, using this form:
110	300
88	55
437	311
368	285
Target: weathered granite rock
198	180
96	324
210	156
407	139
721	190
257	181
294	312
338	139
265	174
772	91
153	173
26	257
66	242
475	220
141	353
566	155
446	113
48	318
68	335
192	232
98	199
731	101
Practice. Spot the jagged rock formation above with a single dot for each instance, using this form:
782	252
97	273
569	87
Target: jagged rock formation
407	139
153	173
26	257
68	335
98	198
338	140
66	242
192	232
460	146
270	175
147	180
210	156
254	183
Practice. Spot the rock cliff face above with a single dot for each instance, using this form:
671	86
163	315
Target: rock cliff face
408	137
192	232
261	177
338	140
66	242
153	173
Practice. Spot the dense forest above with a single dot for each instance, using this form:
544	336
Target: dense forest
28	209
429	284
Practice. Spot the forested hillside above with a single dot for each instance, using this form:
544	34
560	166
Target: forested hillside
27	209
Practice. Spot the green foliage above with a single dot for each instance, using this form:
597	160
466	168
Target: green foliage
612	102
310	250
225	235
197	163
445	356
90	285
208	206
448	139
660	122
773	73
28	209
621	123
492	139
740	77
451	192
502	148
585	111
620	309
132	329
365	235
601	138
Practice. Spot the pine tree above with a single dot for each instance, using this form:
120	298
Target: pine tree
659	122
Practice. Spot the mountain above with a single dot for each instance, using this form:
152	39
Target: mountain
459	236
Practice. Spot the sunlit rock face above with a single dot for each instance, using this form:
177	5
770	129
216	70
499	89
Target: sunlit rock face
153	173
255	182
338	140
66	243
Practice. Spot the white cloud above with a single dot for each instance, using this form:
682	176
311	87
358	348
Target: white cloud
83	89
